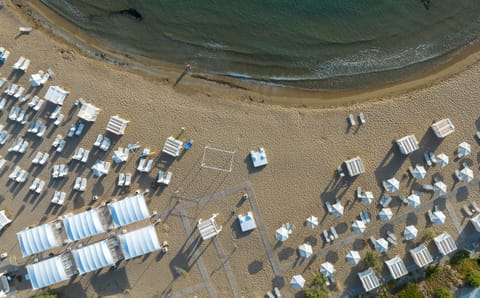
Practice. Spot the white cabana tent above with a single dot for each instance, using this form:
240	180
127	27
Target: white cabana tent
359	226
312	222
381	245
445	243
391	185
407	144
413	200
120	155
410	232
139	242
56	95
281	234
438	218
464	149
396	267
385	214
38	239
476	222
83	225
259	158
49	271
367	197
4	220
88	112
419	172
247	222
327	269
369	280
94	256
440	188
355	166
353	257
208	228
131	209
337	209
465	174
297	281
443	128
101	168
421	256
172	147
305	250
442	160
117	125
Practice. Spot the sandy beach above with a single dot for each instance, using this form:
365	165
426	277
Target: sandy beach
304	147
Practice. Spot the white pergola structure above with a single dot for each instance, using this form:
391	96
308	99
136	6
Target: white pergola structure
247	222
445	243
443	128
208	228
172	147
139	242
4	220
95	256
117	125
369	280
396	267
83	225
131	209
56	95
476	222
50	271
355	166
407	144
38	239
421	256
88	112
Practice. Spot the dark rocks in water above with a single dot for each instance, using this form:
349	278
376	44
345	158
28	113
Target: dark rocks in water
132	13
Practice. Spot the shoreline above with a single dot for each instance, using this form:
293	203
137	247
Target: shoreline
44	17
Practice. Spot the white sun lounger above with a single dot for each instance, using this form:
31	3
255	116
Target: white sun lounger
59	198
63	171
57	141
3	102
334	232
16	171
33	102
326	236
71	131
128	179
78	154
3	161
105	144
148	166
164	177
351	119
2	82
55	113
141	165
14	112
39	105
40	187
44	159
24	147
16	146
78	182
86	153
34	126
329	206
35	184
121	179
19	63
56	171
11	89
19	92
475	206
22	177
41	131
25	98
98	141
61	146
3	137
80	128
37	158
83	184
25	65
59	120
362	118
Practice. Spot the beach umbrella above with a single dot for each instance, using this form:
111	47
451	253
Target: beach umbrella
327	269
312	222
465	175
464	149
305	250
391	185
438	218
419	172
353	257
367	198
385	214
120	155
100	168
381	245
359	226
440	188
413	200
281	234
337	209
410	232
297	281
442	159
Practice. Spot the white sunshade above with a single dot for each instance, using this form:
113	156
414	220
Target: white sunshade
305	250
56	95
327	269
93	257
464	149
83	225
337	209
297	281
281	234
312	222
465	175
381	245
442	159
386	214
37	239
88	112
48	272
445	243
413	200
172	147
355	166
407	144
410	232
440	188
353	257
359	226
438	218
419	172
117	125
129	210
139	242
391	185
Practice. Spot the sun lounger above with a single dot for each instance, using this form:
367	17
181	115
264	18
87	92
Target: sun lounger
351	119
55	113
164	177
3	102
24	147
467	210
78	154
98	141
427	159
63	171
77	183
3	137
16	171
3	161
59	120
34	126
40	187
326	236
430	215
37	158
433	158
86	153
22	177
35	184
121	179
21	117
385	201
33	102
329	206
61	146
14	112
19	63
148	166
391	235
56	171
72	130
25	29
16	146
427	187
334	232
365	216
392	241
25	98
270	295
57	141
41	131
83	185
59	198
39	104
362	118
80	128
19	92
141	165
475	206
372	240
358	193
2	82
105	144
12	89
277	292
44	159
25	65
128	179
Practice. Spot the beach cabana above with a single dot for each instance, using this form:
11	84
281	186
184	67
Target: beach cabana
353	257
337	209
327	269
297	281
83	225
139	242
464	149
359	226
410	232
38	239
172	147
208	228
413	200
312	222
131	209
49	271
259	158
282	234
381	245
120	155
369	280
476	222
391	185
421	256
440	188
396	267
305	250
101	168
4	220
385	214
117	125
367	197
445	243
88	112
56	95
438	218
355	166
419	172
95	256
247	222
407	144
443	128
442	160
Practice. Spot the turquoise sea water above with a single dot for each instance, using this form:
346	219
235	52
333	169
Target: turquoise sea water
333	44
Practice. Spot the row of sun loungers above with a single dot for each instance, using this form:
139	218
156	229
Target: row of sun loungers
37	185
145	166
40	158
22	64
164	177
81	155
59	171
361	117
19	146
37	128
19	115
80	184
59	198
18	175
102	142
36	103
124	179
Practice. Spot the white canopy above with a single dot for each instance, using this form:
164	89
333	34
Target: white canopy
337	209
327	269
247	222
410	232
438	218
56	95
129	210
37	239
465	175
385	214
440	188
297	281
419	172
4	220
139	242
88	112
117	125
305	250
355	166
413	200
48	272
391	185
93	257
172	147
312	222
442	159
396	267
407	144
369	280
464	149
281	234
83	225
353	257
367	197
443	128
421	256
358	226
445	243
381	245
